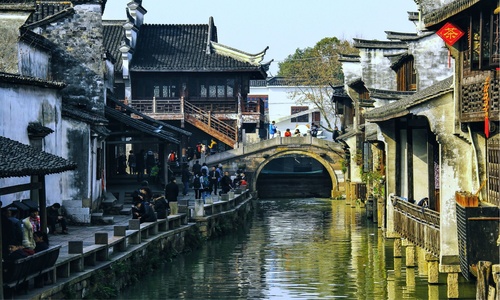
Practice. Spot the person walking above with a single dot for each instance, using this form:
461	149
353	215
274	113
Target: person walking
288	133
196	167
197	186
185	176
171	193
213	177
226	183
273	130
140	165
131	162
314	130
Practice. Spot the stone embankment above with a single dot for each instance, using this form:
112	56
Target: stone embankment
98	261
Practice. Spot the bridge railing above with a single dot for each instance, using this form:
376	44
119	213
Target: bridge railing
418	224
288	142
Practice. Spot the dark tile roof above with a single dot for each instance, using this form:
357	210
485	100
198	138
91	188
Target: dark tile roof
446	11
360	43
153	121
83	115
400	108
17	5
36	40
47	9
401	36
339	91
113	35
37	129
389	94
139	125
349	57
25	80
182	48
101	130
18	160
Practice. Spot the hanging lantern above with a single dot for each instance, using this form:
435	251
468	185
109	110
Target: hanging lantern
450	33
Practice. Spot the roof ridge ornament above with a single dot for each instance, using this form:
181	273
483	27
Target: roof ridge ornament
253	59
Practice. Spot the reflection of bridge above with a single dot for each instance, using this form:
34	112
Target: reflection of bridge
256	156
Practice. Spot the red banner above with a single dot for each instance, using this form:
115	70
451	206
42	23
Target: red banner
450	33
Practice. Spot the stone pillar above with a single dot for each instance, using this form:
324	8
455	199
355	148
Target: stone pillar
432	268
397	248
199	208
410	255
452	283
452	278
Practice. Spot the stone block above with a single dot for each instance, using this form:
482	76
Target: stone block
101	238
75	247
224	197
119	230
199	208
134	224
231	195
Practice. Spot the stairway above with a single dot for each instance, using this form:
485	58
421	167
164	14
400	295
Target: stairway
205	121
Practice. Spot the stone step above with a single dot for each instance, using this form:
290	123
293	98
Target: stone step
108	220
126	211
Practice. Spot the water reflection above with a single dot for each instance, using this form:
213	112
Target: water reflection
293	249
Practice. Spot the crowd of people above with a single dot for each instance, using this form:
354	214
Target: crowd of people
313	130
22	237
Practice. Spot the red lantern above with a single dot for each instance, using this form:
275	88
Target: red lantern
450	33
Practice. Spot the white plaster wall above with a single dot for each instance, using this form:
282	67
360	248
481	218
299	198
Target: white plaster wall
71	190
420	160
33	62
376	68
20	106
403	163
431	61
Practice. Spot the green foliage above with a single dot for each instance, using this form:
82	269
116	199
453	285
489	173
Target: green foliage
314	70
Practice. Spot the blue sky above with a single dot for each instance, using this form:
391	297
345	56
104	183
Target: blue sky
283	25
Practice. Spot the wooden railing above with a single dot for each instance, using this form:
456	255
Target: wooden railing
204	120
417	224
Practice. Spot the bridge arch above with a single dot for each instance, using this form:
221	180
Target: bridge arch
324	160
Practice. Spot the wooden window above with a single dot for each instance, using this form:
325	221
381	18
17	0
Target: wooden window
483	41
493	172
217	88
406	76
303	118
316	117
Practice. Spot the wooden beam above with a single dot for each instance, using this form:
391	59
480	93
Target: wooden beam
21	188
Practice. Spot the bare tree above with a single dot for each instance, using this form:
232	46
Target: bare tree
313	71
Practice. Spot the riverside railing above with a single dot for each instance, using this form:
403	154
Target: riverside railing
417	224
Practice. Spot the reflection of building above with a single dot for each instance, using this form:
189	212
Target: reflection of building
181	75
282	107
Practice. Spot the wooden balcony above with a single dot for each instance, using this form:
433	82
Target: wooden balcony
217	117
417	224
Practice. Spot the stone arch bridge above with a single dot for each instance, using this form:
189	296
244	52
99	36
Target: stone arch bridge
255	157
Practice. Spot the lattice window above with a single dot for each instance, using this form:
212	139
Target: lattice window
203	91
156	91
212	91
230	87
494	170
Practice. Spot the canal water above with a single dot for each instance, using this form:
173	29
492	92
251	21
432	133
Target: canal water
293	249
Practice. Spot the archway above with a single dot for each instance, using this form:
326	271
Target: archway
296	173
